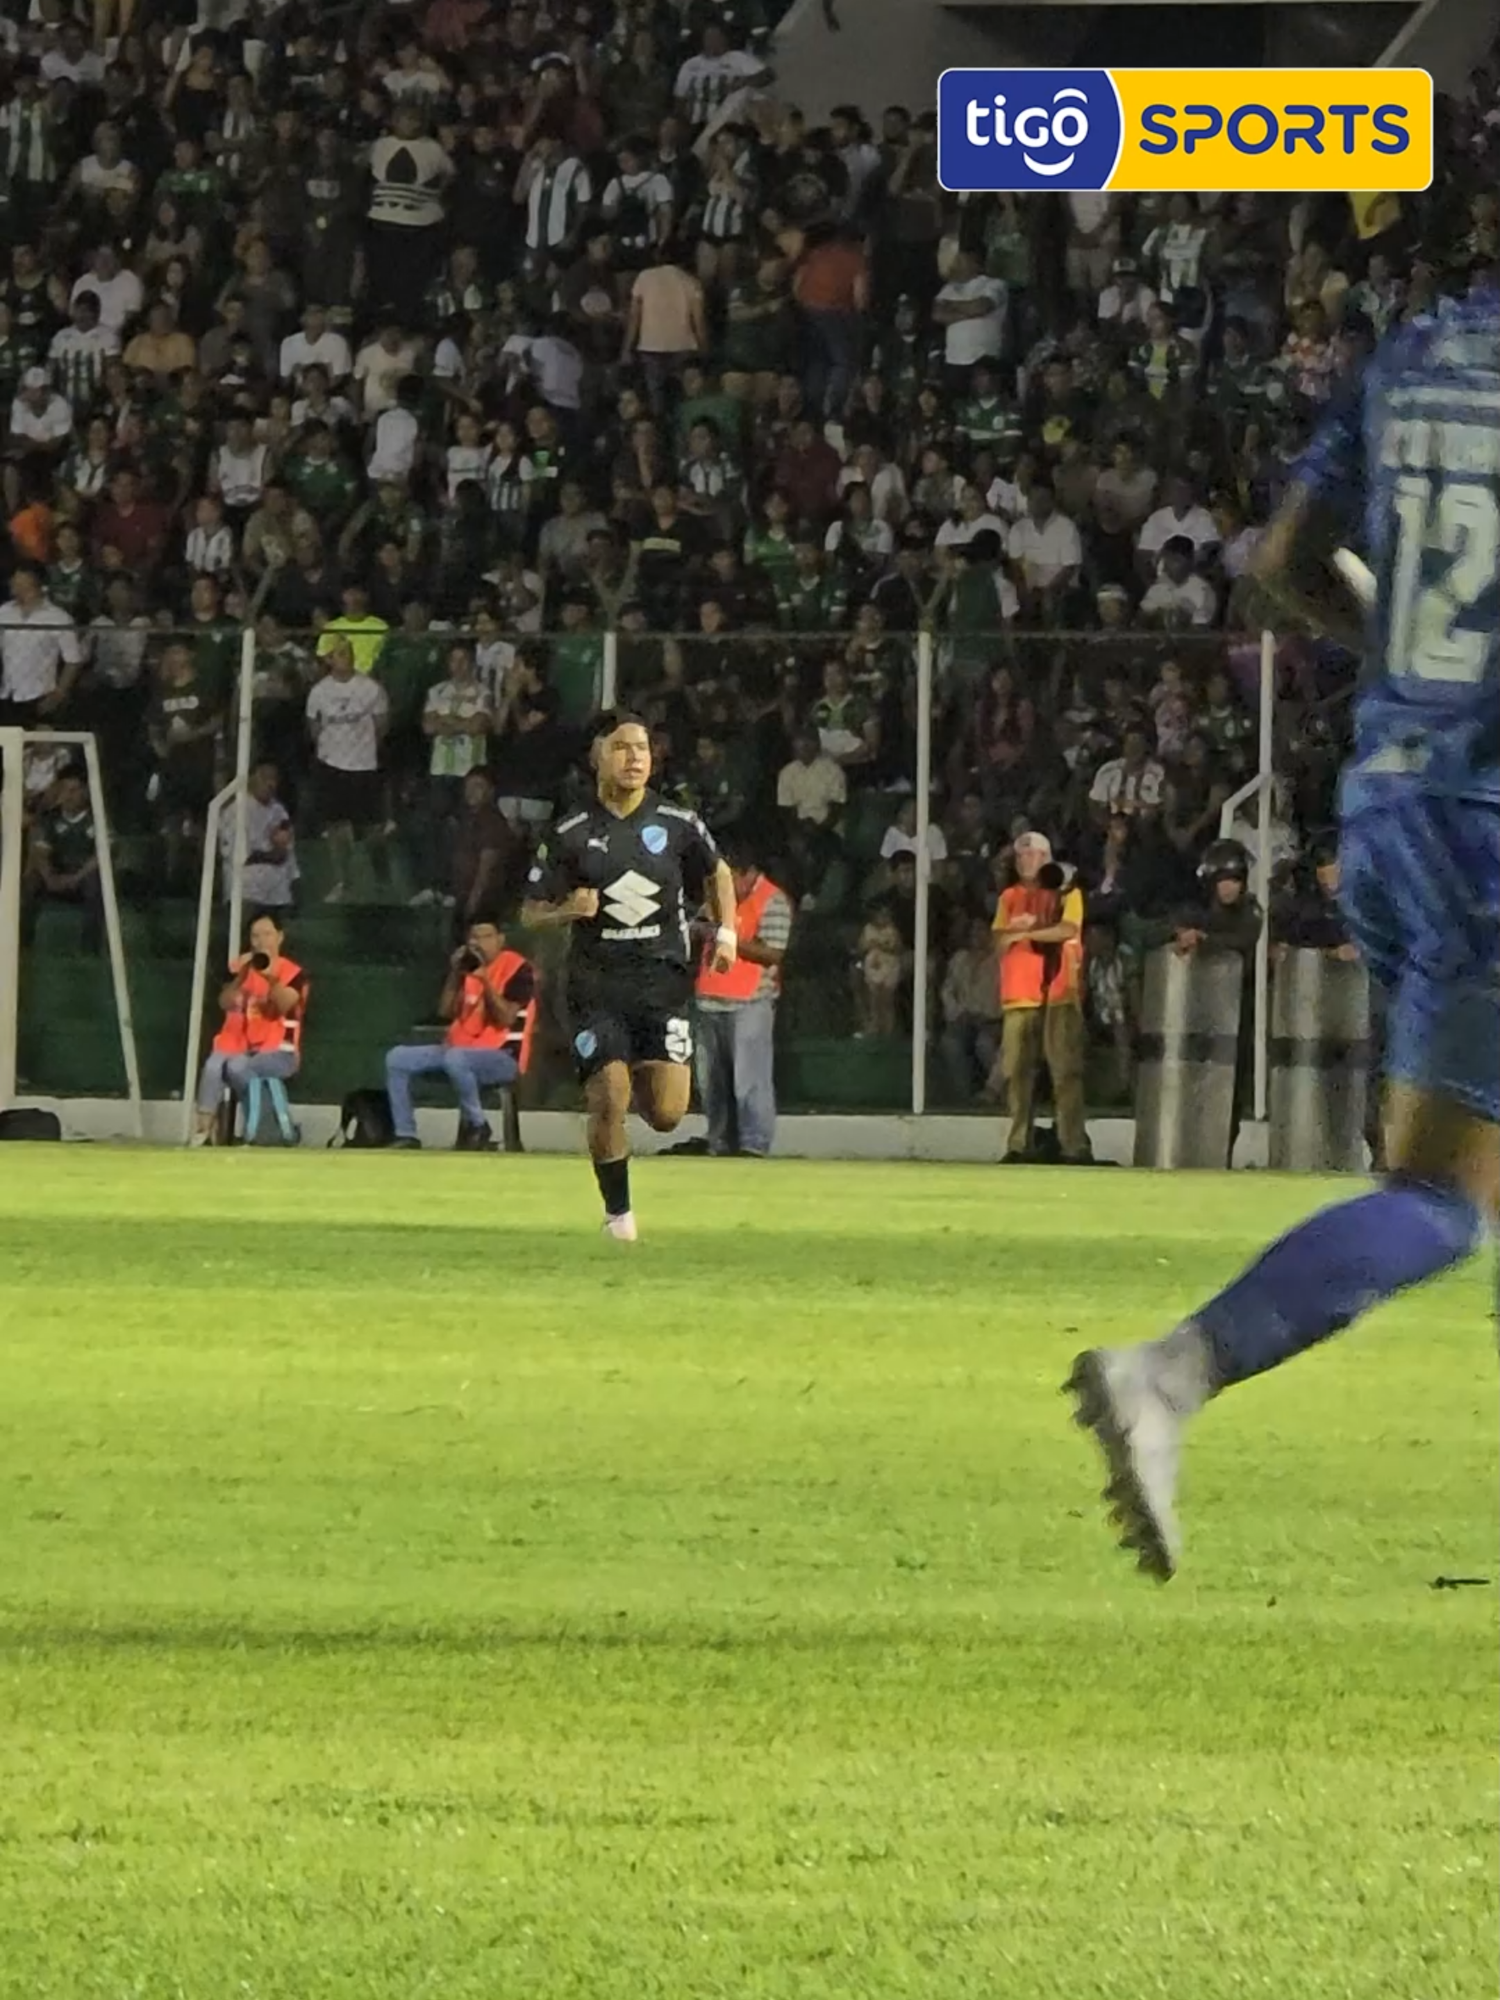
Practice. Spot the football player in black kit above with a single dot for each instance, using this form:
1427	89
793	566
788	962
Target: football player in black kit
628	875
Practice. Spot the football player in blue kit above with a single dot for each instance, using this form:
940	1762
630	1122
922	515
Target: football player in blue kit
1408	471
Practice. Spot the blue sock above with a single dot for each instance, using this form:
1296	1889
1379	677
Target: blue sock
1333	1267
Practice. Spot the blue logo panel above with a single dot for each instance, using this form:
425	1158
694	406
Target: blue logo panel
1028	131
653	838
586	1043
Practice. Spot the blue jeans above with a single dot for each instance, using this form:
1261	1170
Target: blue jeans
236	1072
468	1070
736	1076
834	342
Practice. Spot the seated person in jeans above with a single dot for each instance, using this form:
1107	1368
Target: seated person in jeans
488	1002
264	1002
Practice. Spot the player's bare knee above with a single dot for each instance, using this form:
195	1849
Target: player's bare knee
662	1096
1437	1141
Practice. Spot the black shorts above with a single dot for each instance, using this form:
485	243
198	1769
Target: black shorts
629	1028
349	798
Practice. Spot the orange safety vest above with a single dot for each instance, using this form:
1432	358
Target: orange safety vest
472	1028
742	980
1022	966
249	1030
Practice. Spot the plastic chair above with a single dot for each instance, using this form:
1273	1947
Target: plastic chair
262	1089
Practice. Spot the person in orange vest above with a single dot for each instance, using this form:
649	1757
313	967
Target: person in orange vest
1038	939
265	1003
489	1003
737	1016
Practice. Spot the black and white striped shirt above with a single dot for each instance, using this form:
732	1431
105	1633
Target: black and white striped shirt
508	484
724	213
555	202
26	149
77	361
704	82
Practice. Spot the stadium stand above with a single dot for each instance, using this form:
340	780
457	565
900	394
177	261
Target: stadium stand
466	333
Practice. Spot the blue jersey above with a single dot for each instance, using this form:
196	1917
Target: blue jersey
1410	462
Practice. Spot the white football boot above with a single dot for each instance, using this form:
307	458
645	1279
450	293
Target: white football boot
621	1227
1124	1396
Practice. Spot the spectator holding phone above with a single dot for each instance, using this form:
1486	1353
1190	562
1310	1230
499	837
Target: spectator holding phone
489	1004
264	1001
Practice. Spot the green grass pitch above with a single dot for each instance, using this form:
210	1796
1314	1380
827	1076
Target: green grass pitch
405	1593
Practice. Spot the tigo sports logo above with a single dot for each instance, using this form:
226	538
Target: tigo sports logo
1149	131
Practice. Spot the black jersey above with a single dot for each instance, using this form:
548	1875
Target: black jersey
651	871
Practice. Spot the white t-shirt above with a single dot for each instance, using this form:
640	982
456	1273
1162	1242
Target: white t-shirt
958	534
241	475
395	453
347	714
97	179
120	297
45	426
378	371
1045	551
970	340
465	462
1158	529
330	350
894	841
1193	596
812	790
33	645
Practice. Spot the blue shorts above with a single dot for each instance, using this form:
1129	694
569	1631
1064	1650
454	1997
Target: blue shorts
1420	886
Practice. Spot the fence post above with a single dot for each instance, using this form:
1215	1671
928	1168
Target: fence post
12	861
240	849
1262	1022
921	954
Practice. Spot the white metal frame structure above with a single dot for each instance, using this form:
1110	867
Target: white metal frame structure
232	793
922	955
12	864
236	794
1261	789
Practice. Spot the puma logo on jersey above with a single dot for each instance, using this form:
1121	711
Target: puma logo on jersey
633	904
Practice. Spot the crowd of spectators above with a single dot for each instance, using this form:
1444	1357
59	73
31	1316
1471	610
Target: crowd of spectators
435	341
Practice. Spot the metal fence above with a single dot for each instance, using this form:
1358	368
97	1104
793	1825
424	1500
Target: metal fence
830	749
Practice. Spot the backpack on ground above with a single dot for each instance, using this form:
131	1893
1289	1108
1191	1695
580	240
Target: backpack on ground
30	1122
365	1120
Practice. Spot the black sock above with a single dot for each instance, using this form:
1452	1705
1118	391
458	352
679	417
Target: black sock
613	1177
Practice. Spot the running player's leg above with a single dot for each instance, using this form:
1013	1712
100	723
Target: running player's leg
663	1091
601	1053
1423	885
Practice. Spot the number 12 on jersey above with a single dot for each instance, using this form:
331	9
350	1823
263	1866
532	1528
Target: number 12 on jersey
1458	519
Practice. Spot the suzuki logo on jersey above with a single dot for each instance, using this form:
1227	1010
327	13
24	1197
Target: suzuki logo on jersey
1154	131
633	906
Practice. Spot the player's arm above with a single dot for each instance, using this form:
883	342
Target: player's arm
1293	574
553	899
718	893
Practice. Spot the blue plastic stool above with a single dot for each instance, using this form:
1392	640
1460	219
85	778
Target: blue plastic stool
262	1088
